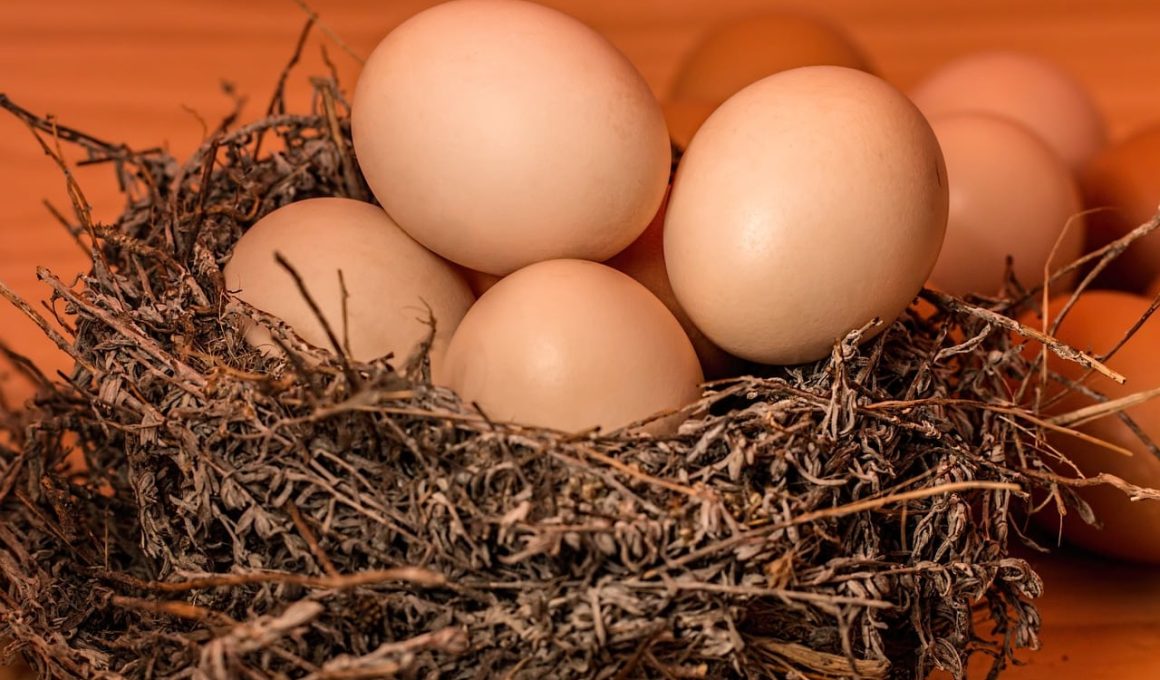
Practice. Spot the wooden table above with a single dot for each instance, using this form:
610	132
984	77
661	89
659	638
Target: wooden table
149	73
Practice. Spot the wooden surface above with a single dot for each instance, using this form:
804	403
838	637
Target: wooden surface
148	72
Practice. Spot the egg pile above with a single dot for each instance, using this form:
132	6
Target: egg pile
522	166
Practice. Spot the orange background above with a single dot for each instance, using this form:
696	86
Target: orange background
147	72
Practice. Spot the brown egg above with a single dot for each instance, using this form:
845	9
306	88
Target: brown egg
500	132
1122	188
1096	323
740	53
810	203
1010	195
644	261
684	117
1032	91
570	345
391	280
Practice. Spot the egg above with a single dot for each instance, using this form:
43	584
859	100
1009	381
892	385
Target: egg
1010	195
571	345
739	53
644	261
807	205
1122	189
1131	530
1029	90
499	133
391	280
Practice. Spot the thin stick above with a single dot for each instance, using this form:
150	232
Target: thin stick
277	103
1104	409
348	370
181	610
642	476
1105	254
311	540
330	33
413	575
1061	350
833	513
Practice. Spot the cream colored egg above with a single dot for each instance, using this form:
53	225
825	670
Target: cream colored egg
807	205
571	345
499	133
391	280
1010	196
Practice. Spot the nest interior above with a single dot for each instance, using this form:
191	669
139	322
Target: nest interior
245	516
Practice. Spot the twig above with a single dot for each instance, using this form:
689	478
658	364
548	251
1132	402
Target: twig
181	610
351	376
311	541
330	33
413	575
1061	350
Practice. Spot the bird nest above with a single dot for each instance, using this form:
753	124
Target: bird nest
179	505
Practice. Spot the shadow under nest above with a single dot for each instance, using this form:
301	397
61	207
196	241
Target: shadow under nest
241	516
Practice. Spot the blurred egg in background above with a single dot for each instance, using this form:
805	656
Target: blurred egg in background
1033	91
739	52
1010	196
1122	190
1097	323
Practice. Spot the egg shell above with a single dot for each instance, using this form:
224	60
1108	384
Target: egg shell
391	280
499	133
1010	195
809	203
1032	91
644	261
741	52
570	345
1121	187
1131	530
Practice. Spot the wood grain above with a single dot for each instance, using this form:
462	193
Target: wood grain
150	73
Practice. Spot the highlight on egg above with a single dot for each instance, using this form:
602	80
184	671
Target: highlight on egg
376	287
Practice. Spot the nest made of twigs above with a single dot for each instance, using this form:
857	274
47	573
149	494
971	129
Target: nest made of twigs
245	516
